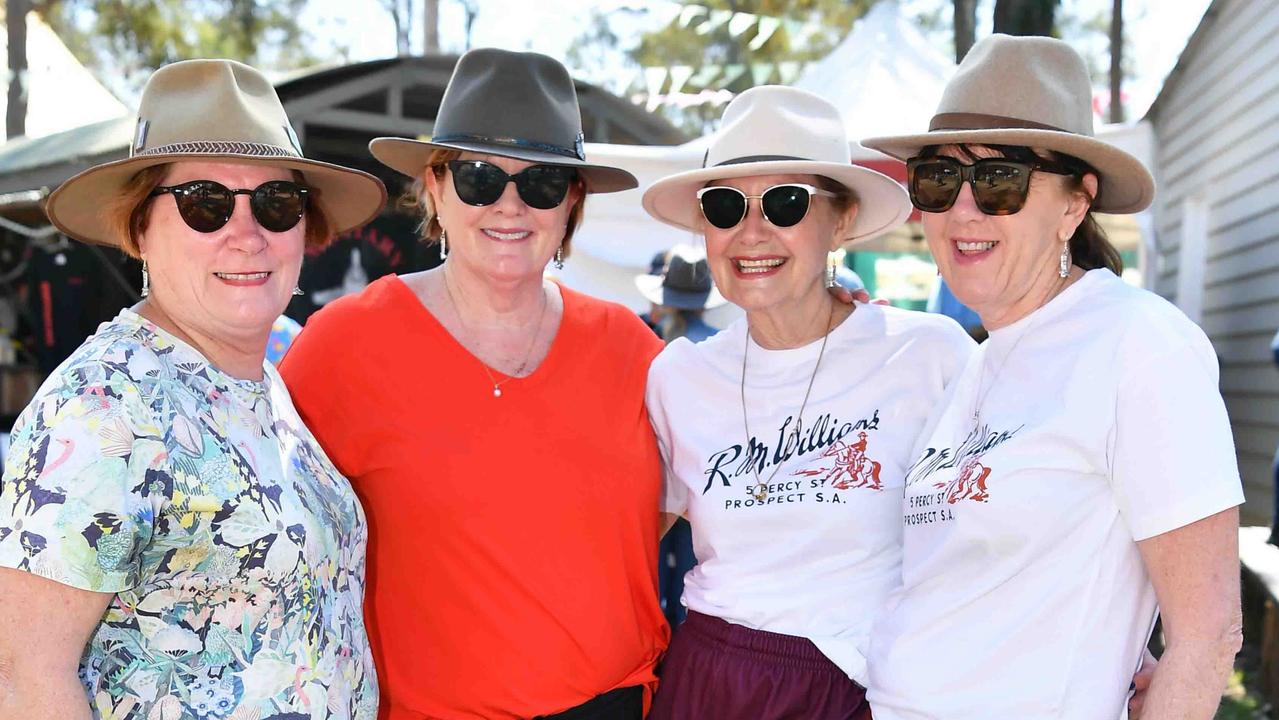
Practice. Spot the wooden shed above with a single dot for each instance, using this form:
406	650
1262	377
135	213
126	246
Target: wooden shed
1216	125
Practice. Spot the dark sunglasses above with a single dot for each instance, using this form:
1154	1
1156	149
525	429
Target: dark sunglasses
206	206
999	185
481	183
782	205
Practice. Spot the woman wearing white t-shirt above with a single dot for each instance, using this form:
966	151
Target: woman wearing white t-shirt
787	436
1081	472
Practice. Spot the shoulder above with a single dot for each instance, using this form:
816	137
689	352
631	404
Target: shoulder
359	309
686	361
925	331
1145	322
619	327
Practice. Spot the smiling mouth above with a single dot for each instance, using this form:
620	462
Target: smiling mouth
974	248
243	276
748	267
508	236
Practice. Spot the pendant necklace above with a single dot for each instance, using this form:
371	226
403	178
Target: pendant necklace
980	397
497	384
760	489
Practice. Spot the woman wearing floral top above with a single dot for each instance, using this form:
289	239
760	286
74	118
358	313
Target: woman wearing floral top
173	541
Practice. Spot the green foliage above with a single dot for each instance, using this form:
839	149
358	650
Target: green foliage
125	40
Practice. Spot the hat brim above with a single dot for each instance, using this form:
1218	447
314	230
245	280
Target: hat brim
408	157
882	203
650	286
1125	185
350	198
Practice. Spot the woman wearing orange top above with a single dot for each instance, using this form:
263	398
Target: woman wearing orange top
494	426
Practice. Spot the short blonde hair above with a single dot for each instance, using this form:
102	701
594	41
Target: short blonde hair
419	200
126	215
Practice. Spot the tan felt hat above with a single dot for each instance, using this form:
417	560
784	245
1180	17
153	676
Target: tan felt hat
1030	92
211	110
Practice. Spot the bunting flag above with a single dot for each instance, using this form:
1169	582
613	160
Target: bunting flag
717	20
654	78
767	27
679	76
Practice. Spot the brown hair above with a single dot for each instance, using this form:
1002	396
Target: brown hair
1089	247
417	199
126	215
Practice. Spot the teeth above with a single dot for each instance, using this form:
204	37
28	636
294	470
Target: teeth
975	246
507	236
759	266
243	276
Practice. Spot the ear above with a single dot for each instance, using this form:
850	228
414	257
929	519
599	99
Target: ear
1078	205
842	224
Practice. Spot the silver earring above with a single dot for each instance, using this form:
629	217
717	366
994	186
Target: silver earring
444	246
297	290
830	274
1064	269
559	258
146	279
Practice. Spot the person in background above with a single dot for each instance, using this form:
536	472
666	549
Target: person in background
1081	475
283	331
679	295
173	541
494	424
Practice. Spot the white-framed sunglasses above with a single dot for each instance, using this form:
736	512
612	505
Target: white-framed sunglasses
782	205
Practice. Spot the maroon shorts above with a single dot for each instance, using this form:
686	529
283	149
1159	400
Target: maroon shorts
715	669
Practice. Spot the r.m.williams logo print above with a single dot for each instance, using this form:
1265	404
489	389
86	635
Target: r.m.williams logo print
850	468
968	484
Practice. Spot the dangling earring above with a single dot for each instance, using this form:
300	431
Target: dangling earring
1064	270
444	246
831	281
297	290
559	258
146	279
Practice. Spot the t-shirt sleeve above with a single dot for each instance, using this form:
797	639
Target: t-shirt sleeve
1173	455
323	376
674	497
81	492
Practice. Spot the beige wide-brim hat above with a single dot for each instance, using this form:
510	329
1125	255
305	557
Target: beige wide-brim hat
519	105
1031	92
211	111
776	130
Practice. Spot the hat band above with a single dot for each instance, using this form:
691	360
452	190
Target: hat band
219	147
755	159
577	151
979	121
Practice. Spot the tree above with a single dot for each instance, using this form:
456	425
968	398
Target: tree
125	40
965	27
16	112
1025	17
1117	61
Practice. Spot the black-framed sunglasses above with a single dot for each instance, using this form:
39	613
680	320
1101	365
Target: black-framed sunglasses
999	185
480	183
782	205
206	205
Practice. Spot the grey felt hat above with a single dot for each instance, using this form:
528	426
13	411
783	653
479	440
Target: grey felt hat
514	104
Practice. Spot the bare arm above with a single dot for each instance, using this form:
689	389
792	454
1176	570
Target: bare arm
1195	571
44	626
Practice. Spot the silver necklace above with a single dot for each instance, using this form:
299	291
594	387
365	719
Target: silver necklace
981	379
497	384
760	489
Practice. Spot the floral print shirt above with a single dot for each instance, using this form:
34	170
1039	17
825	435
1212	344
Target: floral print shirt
233	548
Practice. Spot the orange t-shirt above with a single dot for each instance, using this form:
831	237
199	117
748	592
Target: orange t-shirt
513	539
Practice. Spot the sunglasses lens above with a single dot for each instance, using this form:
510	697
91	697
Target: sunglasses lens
999	188
478	183
543	186
723	207
934	184
785	205
278	205
204	205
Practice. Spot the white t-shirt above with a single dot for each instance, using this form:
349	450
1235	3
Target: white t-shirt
1024	595
818	556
